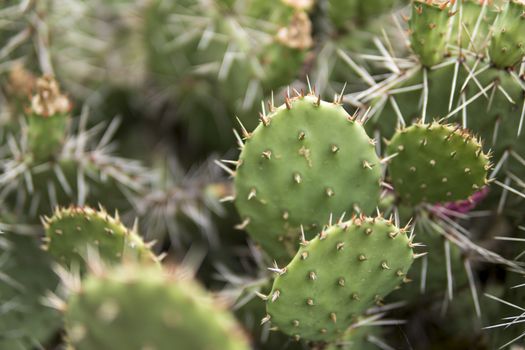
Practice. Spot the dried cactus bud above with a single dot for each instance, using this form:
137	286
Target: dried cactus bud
298	34
48	100
303	5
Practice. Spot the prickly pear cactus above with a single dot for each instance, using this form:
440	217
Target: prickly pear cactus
474	27
304	152
26	278
436	163
177	73
507	46
337	275
45	163
71	231
428	25
47	120
134	308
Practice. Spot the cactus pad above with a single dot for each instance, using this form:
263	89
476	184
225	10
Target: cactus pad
307	160
48	119
134	308
436	163
71	230
337	275
507	46
428	25
26	277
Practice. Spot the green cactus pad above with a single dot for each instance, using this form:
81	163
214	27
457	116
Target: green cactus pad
26	277
72	230
477	28
436	163
307	160
428	25
507	46
138	308
336	276
48	118
46	135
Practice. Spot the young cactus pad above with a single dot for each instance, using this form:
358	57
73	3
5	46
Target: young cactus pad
48	119
428	25
436	163
507	46
307	159
336	276
139	308
70	231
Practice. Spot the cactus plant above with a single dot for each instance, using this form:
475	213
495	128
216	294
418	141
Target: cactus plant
507	47
26	278
429	25
314	152
441	162
105	312
336	276
46	165
48	120
424	95
71	231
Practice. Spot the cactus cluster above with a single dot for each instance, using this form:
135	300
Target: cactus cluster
371	195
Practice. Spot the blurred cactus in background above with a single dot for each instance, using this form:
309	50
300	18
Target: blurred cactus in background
370	196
